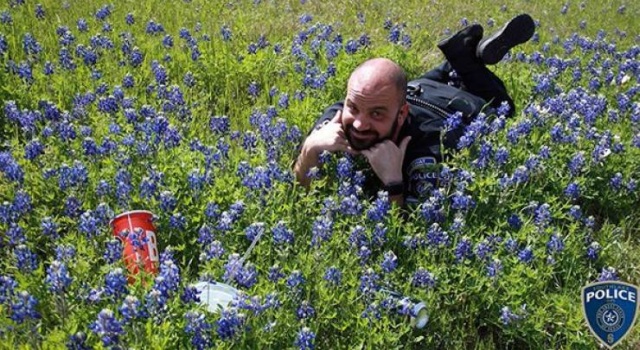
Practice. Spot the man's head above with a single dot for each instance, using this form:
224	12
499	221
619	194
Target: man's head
375	106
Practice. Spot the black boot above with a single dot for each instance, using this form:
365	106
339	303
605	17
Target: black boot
517	31
460	49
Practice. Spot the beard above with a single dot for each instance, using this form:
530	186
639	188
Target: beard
368	138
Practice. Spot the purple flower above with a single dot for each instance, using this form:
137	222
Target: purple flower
390	262
26	261
58	277
463	250
107	327
369	282
608	274
24	308
555	244
113	252
305	310
321	230
379	209
593	250
115	283
305	339
7	287
200	330
507	316
494	268
526	255
423	278
130	309
295	280
282	235
229	324
333	275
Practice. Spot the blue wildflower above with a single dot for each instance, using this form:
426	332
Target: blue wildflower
107	327
58	277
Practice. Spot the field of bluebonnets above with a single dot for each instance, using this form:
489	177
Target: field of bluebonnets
194	109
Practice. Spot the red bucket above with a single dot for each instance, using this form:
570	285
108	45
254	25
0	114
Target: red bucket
144	254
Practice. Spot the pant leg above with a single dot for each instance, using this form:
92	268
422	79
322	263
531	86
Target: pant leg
476	79
439	74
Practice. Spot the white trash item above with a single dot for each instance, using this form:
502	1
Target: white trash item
422	316
215	296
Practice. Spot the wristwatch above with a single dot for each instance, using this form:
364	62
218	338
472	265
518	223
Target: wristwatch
394	188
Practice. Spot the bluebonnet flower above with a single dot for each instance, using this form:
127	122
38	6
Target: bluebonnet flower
168	201
295	280
333	275
494	268
275	273
379	209
15	234
322	229
65	252
422	278
616	181
555	244
572	191
351	205
190	295
113	251
542	217
200	330
131	309
436	236
305	339
23	308
58	277
390	262
282	234
507	316
305	310
463	250
49	227
26	261
593	250
253	89
21	203
33	149
107	327
526	255
5	17
369	282
115	283
89	224
168	279
177	221
213	250
514	221
608	274
229	324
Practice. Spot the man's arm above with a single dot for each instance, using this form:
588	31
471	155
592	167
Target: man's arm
330	137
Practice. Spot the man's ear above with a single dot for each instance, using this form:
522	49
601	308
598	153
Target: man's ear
404	113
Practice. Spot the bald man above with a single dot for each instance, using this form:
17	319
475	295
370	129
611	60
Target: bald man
401	145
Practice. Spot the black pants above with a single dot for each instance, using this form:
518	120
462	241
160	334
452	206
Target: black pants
479	81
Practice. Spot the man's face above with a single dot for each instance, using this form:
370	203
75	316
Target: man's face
371	113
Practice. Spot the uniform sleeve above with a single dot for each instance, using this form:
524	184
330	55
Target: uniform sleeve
421	167
326	116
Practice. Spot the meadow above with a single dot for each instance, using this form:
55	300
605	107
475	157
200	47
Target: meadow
194	110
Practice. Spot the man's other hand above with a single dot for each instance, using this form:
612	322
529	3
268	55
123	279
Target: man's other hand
386	159
330	137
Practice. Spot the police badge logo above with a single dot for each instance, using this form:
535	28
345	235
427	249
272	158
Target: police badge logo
423	175
610	308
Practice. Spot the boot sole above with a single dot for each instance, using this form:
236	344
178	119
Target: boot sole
517	31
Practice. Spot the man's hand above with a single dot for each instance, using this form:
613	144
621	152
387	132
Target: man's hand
330	137
386	160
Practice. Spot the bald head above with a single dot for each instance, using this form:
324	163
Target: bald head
381	73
